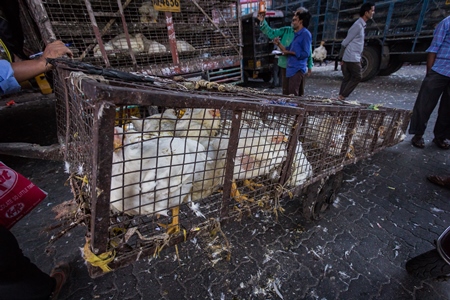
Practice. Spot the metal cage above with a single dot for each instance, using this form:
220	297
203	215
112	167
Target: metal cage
161	160
202	39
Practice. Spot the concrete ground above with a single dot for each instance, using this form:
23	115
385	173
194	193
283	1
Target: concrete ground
386	212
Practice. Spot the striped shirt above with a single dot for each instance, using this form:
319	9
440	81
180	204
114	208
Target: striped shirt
441	46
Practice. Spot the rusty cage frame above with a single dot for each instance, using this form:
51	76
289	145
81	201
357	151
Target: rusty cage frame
203	39
332	134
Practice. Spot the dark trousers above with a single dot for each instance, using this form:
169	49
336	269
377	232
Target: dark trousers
284	81
434	86
19	278
352	76
295	83
275	74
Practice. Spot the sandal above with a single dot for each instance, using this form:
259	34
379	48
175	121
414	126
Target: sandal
418	142
60	274
441	143
439	180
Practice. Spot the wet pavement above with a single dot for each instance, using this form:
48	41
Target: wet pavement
385	213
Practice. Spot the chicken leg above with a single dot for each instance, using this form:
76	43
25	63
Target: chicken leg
236	194
174	226
251	184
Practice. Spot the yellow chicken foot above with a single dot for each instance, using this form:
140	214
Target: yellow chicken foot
350	152
236	194
251	184
173	227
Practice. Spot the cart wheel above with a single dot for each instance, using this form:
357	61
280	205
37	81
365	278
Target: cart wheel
320	195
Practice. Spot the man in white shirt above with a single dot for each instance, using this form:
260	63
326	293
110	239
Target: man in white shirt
351	51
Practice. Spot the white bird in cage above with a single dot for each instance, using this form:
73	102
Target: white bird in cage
108	47
259	153
157	125
301	168
137	42
198	122
152	47
183	46
211	178
155	175
148	13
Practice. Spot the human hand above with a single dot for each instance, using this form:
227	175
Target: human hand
260	17
309	72
276	41
54	50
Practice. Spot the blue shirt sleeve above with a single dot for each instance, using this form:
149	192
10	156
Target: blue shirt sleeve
8	83
440	34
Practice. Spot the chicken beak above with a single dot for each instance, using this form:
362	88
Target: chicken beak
181	113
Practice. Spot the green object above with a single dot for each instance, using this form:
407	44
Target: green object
374	106
286	35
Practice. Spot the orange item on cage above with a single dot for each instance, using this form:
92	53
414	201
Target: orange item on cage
262	7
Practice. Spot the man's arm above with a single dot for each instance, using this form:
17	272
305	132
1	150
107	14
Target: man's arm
27	69
310	62
431	57
267	30
439	35
352	33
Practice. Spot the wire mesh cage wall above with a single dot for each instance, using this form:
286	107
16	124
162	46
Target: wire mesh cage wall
160	161
131	35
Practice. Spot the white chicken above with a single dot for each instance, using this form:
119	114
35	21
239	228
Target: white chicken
301	168
152	47
320	53
211	178
198	122
157	124
258	153
119	42
148	13
183	46
155	175
137	42
108	47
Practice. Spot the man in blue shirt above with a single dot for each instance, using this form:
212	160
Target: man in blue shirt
351	51
435	85
297	52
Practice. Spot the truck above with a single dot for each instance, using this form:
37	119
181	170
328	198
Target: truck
400	31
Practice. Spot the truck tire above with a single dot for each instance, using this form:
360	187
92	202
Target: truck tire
428	265
393	66
370	62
